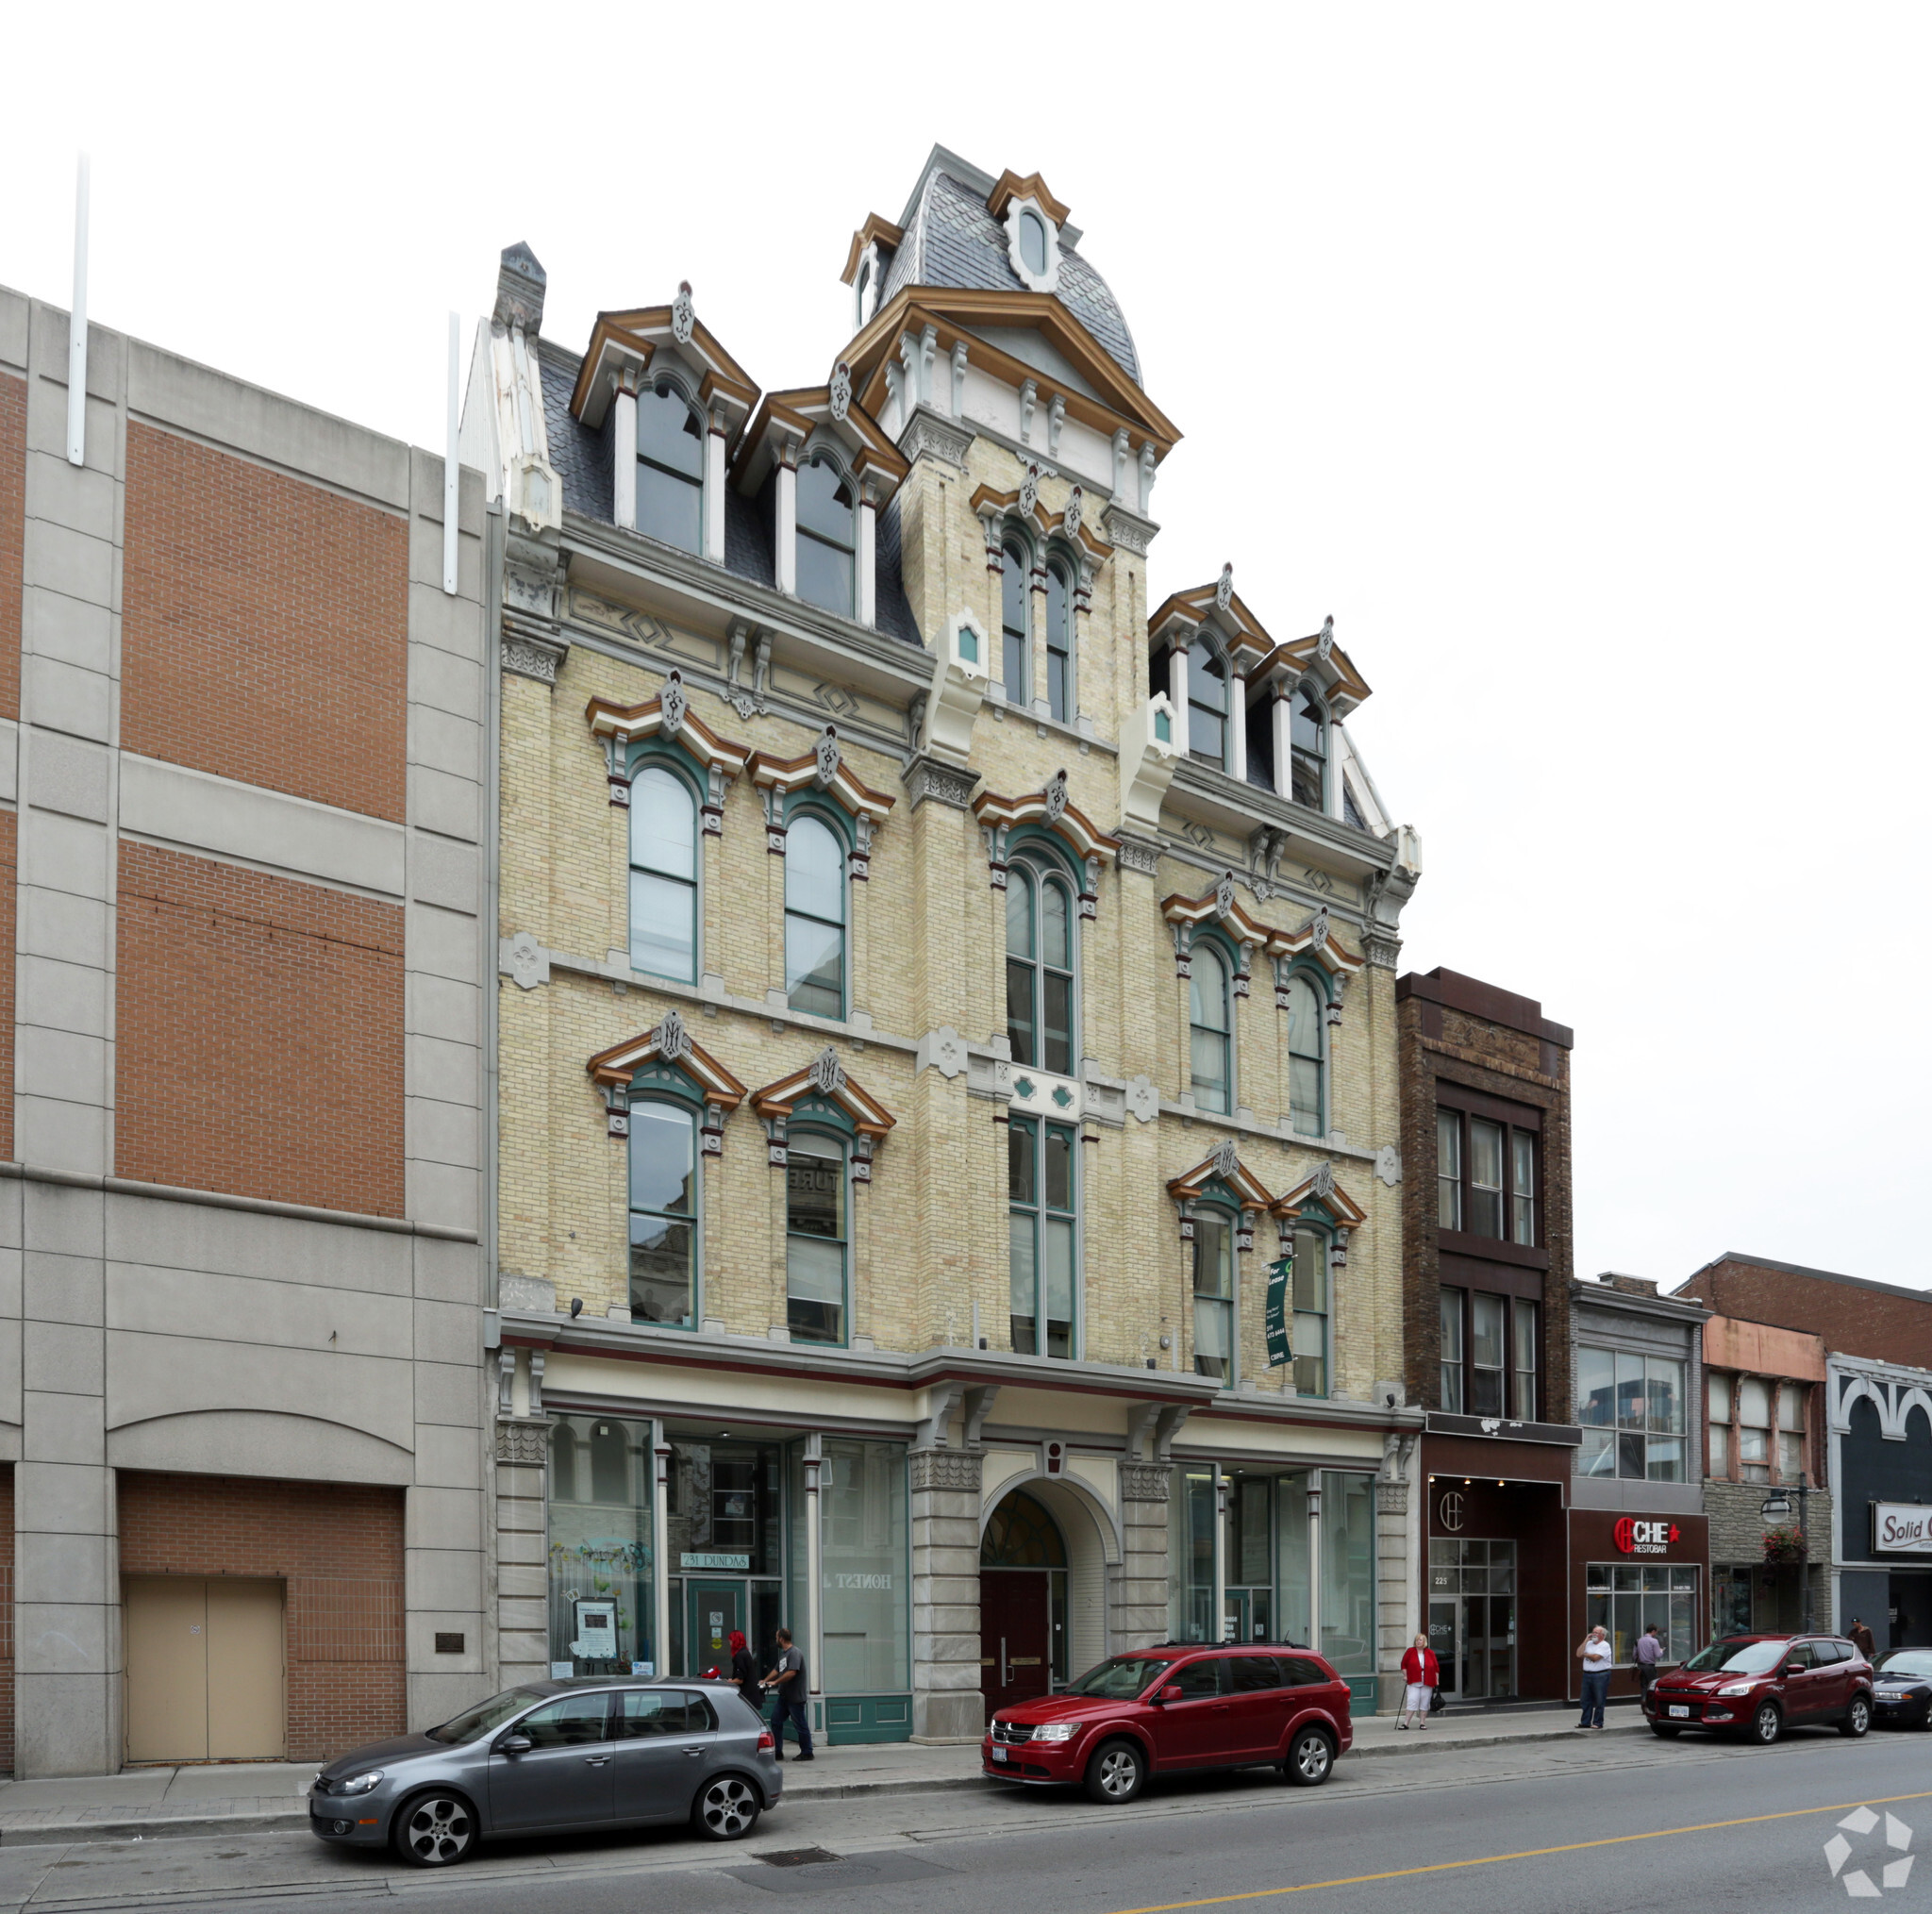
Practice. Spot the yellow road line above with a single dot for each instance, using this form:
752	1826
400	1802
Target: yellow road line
1526	1854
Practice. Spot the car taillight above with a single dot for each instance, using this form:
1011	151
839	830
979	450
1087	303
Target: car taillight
766	1741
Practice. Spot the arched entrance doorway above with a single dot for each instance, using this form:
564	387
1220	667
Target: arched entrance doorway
1022	1602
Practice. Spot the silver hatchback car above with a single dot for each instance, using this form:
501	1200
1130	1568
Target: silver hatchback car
555	1758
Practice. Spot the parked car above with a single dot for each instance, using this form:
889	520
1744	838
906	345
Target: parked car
553	1757
1901	1688
1181	1707
1759	1685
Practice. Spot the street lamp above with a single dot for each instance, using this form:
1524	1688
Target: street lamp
1777	1508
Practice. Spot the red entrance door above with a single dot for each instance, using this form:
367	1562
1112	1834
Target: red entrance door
1014	1635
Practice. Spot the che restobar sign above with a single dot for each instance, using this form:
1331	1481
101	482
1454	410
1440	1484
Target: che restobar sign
1901	1528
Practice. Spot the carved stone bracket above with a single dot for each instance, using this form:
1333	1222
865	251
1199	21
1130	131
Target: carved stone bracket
1138	854
1145	1481
1381	946
1127	530
947	1469
928	434
522	1438
926	776
528	656
1391	1498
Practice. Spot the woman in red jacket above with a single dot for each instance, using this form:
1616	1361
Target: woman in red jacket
1421	1674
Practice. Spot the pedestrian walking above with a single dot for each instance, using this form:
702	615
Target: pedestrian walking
787	1684
1595	1654
744	1672
1421	1677
1861	1636
1650	1650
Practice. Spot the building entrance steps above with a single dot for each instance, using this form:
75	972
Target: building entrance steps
158	1804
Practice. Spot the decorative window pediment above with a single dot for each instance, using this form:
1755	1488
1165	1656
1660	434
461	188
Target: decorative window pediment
821	1093
832	411
1315	942
1222	908
1215	615
1052	811
821	769
1323	1194
997	510
656	334
667	1060
669	719
1222	1174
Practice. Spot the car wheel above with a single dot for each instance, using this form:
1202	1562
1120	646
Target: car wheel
1664	1731
1767	1724
1858	1718
435	1830
1310	1758
1116	1773
726	1808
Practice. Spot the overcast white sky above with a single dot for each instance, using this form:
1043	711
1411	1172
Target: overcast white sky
1574	358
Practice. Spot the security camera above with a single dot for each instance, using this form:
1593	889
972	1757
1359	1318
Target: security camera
1388	1398
576	1307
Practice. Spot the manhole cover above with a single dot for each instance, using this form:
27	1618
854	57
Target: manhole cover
797	1857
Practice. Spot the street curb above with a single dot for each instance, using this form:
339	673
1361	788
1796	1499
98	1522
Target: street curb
188	1826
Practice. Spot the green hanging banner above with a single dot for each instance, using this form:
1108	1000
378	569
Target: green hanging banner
1280	1274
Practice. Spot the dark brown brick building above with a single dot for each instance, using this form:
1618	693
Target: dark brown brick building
1851	1315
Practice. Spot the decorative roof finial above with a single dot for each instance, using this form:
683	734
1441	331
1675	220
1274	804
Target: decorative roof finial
840	395
1325	644
1224	589
683	314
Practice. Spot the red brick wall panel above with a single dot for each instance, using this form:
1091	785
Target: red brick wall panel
1849	1317
339	1550
259	1035
12	543
265	628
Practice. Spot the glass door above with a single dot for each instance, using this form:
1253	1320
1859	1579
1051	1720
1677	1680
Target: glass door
715	1608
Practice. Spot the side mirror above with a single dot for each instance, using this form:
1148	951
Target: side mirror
515	1744
1171	1692
1794	1668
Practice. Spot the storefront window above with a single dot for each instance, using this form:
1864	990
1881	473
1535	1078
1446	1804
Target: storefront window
1348	1571
1627	1599
1291	1555
600	1569
863	1539
1190	1557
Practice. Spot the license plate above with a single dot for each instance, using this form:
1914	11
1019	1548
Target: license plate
1684	1712
999	1753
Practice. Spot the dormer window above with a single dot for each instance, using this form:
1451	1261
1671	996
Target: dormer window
671	467
1033	243
1207	709
860	289
828	536
1309	739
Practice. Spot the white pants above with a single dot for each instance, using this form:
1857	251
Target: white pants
1415	1698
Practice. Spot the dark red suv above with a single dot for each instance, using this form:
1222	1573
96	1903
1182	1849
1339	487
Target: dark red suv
1759	1685
1177	1707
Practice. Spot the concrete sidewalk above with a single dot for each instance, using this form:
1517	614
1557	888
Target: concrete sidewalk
159	1803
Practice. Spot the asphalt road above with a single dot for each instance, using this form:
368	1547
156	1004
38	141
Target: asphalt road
1582	1824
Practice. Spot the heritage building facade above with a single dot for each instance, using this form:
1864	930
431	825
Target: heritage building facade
939	974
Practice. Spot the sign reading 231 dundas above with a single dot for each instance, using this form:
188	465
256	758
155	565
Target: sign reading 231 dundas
1901	1528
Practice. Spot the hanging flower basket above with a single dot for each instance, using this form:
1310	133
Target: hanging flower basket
1783	1545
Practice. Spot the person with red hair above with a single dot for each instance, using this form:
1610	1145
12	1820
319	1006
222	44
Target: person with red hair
744	1672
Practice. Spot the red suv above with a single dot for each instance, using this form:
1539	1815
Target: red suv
1177	1707
1760	1685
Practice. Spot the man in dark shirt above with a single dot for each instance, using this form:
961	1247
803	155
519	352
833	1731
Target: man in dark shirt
1861	1637
787	1682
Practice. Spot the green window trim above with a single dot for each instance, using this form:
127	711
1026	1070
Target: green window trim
1043	1237
818	1237
817	913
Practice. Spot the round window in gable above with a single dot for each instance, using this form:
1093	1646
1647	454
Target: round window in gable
1033	243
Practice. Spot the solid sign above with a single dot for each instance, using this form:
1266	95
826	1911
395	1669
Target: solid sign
1280	1275
1645	1538
741	1563
1901	1528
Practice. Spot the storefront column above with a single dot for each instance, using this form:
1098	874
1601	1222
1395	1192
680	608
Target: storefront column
661	1549
814	1584
947	1705
1314	1561
1139	1592
1396	1577
1217	1613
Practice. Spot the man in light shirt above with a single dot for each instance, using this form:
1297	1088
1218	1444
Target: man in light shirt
1596	1656
1650	1652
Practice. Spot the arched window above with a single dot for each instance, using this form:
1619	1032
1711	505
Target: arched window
1021	1534
663	875
1207	709
1309	740
1043	1226
663	1215
1209	996
1309	1336
1307	1024
1214	1295
828	536
1033	243
1040	967
815	1238
671	467
814	919
610	1464
1016	663
1060	643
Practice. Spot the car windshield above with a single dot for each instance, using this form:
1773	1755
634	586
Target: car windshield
1121	1678
1907	1664
1739	1657
485	1717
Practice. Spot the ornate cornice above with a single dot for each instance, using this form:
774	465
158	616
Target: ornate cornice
926	776
928	435
1145	1481
958	1470
1127	530
525	654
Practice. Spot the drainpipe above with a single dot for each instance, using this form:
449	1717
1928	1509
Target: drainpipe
660	1548
1315	1560
1217	1618
814	1617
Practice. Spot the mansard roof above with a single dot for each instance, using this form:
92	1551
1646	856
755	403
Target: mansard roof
952	235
